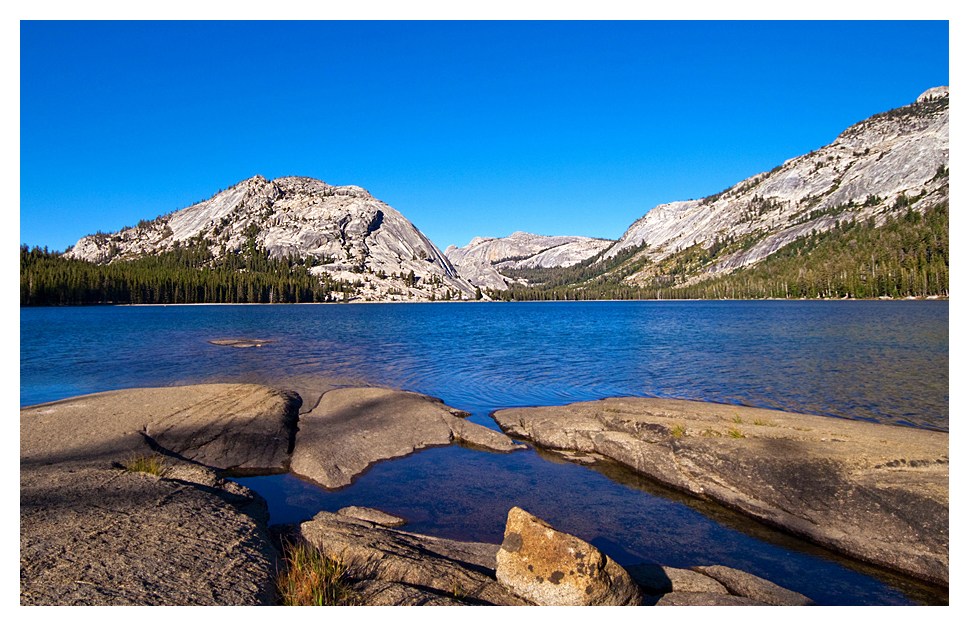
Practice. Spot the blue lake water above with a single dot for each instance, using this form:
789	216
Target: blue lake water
880	361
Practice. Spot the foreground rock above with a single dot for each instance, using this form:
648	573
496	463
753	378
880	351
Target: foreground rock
874	492
394	567
351	429
740	583
93	533
535	564
551	568
374	516
101	536
248	427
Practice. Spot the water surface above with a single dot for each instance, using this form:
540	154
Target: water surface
879	361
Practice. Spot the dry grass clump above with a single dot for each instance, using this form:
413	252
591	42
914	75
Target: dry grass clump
770	423
677	431
146	463
310	578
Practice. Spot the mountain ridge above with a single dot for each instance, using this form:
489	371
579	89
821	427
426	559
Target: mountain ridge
874	171
343	231
861	174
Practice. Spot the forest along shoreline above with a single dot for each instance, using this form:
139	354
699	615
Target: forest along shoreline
110	479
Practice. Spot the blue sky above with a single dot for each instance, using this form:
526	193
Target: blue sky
468	128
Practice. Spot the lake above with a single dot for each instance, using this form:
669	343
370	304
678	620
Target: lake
880	361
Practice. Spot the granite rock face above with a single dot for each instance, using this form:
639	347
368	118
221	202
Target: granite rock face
343	231
869	165
874	492
353	428
482	260
552	568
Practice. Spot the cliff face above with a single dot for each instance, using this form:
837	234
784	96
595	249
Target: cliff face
863	173
350	234
482	260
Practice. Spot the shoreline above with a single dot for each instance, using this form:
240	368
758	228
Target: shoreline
101	447
935	298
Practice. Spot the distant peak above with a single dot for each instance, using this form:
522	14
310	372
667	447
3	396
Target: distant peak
935	92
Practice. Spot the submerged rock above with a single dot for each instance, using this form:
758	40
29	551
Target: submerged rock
552	568
351	429
241	343
874	492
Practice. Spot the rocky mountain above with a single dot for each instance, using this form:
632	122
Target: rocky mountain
342	232
483	259
881	166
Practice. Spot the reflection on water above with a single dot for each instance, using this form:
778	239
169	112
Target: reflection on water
884	361
868	360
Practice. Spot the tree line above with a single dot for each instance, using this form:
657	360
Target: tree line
184	275
907	256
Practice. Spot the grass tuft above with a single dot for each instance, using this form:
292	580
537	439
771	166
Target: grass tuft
735	433
763	423
310	578
678	431
147	463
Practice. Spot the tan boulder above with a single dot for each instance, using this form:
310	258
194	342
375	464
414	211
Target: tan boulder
552	568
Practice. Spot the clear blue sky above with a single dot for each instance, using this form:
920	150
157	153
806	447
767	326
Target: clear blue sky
467	128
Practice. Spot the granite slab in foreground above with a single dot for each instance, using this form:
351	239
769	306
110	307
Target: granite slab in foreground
224	426
94	533
875	492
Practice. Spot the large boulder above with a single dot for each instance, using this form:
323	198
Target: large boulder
552	568
353	428
875	492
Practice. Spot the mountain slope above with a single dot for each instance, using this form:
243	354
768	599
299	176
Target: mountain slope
876	168
344	233
482	261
